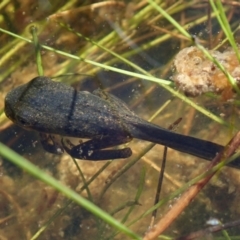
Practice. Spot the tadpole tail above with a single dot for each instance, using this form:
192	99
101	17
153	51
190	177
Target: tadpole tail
186	144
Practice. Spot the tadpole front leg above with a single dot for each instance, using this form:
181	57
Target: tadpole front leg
50	145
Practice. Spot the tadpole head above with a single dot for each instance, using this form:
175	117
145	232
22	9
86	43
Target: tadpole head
9	111
14	108
10	105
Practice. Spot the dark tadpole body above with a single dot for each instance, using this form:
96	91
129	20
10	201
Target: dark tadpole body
55	108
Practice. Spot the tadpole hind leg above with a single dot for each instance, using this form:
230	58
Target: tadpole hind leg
93	149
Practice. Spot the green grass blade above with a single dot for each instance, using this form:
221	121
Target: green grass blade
41	175
223	21
170	19
164	83
33	30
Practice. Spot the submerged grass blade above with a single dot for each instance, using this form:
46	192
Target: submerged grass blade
37	50
138	195
220	66
153	79
170	19
164	83
61	210
226	28
223	21
50	220
107	50
41	175
183	188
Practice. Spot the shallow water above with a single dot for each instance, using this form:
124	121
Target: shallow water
26	203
